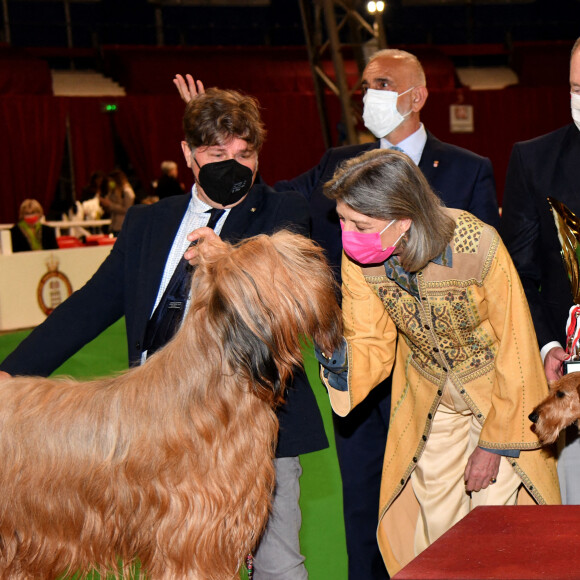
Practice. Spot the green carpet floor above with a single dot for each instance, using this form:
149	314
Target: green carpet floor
322	535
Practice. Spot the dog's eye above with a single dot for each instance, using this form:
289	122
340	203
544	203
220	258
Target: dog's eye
560	394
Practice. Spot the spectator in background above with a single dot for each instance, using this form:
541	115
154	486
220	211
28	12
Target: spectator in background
30	233
118	200
97	186
168	184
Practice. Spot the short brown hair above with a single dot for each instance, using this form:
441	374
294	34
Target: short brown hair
387	185
216	116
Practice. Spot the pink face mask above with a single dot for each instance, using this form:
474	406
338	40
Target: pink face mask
367	248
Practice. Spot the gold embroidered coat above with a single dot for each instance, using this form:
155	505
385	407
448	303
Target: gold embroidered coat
470	325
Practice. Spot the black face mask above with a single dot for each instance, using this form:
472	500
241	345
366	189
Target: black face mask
225	182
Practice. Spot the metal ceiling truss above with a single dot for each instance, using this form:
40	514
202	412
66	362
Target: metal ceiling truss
333	28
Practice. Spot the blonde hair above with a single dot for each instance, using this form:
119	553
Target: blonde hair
29	206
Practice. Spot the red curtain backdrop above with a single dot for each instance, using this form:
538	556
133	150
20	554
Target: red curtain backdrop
150	130
31	151
22	73
149	127
91	138
501	118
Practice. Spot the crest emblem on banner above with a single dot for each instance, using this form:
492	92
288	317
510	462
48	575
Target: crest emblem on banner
54	287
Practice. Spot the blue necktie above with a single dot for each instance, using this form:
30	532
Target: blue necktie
167	317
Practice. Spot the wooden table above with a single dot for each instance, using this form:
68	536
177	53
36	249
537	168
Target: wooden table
504	543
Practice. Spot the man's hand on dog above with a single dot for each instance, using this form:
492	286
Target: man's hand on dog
553	363
203	236
482	468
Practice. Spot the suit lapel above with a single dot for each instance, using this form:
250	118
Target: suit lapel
430	158
242	215
565	183
158	239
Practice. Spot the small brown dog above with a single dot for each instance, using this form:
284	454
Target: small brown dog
171	463
560	409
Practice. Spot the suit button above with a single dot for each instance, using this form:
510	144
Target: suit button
429	416
424	437
415	460
138	345
402	482
439	392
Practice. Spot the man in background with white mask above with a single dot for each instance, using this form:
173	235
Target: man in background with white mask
395	92
547	166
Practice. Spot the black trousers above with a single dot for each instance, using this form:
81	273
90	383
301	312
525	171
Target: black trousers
361	438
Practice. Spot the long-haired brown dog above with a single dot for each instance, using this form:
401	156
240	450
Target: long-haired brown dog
560	408
170	463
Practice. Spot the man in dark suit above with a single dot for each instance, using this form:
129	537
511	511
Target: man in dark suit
223	135
395	91
547	166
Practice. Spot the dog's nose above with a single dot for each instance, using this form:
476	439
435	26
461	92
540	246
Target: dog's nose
533	417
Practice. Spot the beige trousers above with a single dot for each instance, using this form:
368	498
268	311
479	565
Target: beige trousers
438	480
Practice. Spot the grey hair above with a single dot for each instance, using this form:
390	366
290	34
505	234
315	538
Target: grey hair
167	166
387	185
410	59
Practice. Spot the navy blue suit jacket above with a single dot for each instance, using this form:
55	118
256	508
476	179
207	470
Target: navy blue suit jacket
546	166
127	283
461	178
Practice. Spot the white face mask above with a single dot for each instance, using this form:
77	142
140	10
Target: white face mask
380	114
575	105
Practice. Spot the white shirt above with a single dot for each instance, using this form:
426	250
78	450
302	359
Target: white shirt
413	145
195	217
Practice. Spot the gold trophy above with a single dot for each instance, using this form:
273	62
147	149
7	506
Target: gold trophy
568	228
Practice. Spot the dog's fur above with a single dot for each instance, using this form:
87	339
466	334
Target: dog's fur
560	409
170	463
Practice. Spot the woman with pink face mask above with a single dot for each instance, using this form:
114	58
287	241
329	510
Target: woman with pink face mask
30	233
431	297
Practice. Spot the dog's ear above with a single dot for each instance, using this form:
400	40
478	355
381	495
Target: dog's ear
245	353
